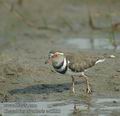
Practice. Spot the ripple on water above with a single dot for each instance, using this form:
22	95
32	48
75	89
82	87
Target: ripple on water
98	106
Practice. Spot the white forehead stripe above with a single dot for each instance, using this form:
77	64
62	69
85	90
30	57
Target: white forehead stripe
52	54
60	53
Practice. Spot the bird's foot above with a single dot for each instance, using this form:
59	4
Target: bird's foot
89	90
73	91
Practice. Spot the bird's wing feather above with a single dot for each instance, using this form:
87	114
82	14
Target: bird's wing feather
82	61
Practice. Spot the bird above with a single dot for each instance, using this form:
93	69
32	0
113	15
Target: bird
74	64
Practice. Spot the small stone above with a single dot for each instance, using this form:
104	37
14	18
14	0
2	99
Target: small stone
116	89
76	110
5	98
114	101
115	76
118	70
112	56
66	88
45	97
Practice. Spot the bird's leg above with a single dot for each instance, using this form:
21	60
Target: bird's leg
88	90
73	85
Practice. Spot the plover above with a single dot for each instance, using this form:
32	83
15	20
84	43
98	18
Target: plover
73	64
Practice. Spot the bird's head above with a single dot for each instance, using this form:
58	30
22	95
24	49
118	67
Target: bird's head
55	57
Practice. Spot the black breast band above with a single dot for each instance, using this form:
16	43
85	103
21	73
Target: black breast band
63	71
59	66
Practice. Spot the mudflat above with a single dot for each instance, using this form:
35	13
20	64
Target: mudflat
30	31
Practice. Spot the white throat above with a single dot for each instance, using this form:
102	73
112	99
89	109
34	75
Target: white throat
62	67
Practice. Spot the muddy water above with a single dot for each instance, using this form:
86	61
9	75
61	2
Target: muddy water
96	107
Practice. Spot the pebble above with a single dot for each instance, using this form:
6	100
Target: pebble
112	56
118	70
114	101
116	89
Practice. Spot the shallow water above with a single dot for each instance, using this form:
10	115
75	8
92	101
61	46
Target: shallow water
87	43
97	106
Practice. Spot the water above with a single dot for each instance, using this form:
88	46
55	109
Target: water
98	106
87	43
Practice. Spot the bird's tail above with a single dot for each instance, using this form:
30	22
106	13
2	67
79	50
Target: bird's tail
100	60
103	59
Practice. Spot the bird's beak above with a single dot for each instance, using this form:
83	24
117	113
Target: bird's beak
48	61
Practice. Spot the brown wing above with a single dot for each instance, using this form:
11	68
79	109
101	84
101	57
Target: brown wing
82	61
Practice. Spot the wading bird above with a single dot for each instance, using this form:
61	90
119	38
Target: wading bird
74	65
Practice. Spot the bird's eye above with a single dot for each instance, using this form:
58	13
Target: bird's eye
54	56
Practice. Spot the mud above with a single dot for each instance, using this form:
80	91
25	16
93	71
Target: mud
24	49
